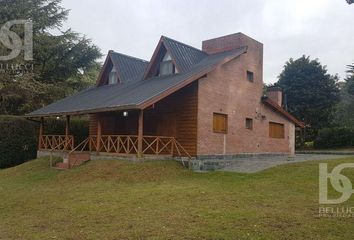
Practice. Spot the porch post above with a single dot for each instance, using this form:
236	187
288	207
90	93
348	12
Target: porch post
40	135
67	126
140	133
99	134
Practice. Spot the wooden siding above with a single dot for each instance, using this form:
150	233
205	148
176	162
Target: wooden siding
173	116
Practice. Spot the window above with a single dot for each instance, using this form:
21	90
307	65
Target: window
276	130
249	123
166	65
112	78
250	76
220	123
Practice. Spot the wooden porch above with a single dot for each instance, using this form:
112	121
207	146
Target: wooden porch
115	144
166	128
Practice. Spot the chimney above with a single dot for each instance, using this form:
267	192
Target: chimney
275	94
230	42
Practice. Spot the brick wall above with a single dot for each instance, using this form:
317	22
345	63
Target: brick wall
227	90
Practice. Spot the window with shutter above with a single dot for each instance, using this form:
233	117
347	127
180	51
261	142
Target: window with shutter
276	130
220	123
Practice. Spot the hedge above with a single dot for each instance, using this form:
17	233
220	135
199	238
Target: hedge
19	137
18	140
79	127
335	137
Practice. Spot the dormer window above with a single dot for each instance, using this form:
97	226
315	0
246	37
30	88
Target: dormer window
112	78
166	65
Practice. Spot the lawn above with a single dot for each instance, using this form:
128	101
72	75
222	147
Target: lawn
162	200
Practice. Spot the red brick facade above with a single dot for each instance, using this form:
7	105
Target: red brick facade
228	90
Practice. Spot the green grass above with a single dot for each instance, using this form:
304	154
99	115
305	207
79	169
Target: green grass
162	200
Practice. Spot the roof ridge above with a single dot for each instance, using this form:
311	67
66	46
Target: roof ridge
199	50
125	55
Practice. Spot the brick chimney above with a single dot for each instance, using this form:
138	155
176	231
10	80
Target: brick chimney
275	94
230	42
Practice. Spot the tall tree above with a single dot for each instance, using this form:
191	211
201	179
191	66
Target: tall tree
63	62
345	109
311	92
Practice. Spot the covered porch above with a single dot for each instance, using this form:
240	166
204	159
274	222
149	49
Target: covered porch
165	128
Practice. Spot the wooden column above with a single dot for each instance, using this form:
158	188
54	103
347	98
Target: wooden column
99	134
40	133
140	133
67	126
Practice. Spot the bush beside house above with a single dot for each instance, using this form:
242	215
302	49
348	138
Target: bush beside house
19	137
335	137
18	140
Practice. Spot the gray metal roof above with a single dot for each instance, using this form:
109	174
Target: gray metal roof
184	55
129	68
131	94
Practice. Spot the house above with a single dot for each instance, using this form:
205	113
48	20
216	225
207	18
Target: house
183	102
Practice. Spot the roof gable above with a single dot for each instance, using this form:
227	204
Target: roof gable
184	57
268	102
128	68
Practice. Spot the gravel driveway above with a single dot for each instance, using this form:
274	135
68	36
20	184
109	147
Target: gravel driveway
255	164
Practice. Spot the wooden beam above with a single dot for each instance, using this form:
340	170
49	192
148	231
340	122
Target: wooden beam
40	133
140	133
99	134
67	127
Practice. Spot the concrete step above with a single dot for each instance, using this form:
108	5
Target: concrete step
75	159
61	166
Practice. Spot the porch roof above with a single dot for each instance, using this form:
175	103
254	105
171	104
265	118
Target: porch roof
134	94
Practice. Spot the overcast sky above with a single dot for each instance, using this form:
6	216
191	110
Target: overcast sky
323	29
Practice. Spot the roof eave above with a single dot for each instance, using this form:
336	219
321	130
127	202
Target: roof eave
89	111
287	115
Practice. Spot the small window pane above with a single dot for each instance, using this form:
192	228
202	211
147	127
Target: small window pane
249	123
112	78
219	123
166	68
250	76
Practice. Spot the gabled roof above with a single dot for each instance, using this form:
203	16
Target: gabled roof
137	94
128	68
183	56
268	102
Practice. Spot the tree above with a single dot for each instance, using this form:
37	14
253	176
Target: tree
311	93
345	108
64	62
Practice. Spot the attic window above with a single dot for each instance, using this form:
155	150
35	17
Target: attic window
112	78
166	65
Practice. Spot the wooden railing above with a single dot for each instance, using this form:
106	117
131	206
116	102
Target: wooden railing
57	142
118	144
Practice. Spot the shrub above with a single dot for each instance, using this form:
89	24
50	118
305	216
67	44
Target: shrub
335	137
79	128
18	140
19	137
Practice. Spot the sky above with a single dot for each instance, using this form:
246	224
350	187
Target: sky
321	29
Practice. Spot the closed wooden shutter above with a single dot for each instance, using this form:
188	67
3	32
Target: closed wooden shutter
276	130
220	123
